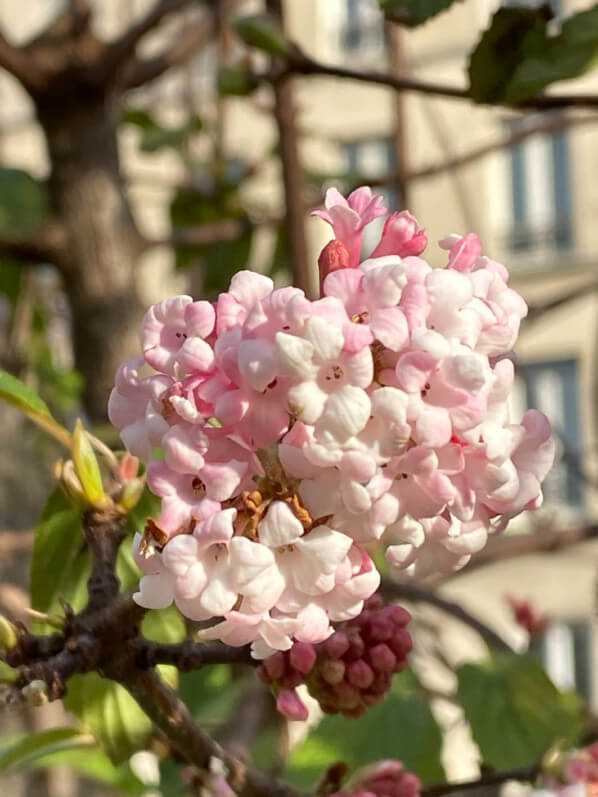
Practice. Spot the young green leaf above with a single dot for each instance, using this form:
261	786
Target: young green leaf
25	750
413	12
60	564
86	465
109	712
19	395
402	727
514	709
514	34
262	32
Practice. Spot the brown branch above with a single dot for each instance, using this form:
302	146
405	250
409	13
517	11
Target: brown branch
302	64
420	594
488	779
550	125
502	548
104	532
189	655
292	175
538	310
172	717
16	61
184	47
121	49
45	246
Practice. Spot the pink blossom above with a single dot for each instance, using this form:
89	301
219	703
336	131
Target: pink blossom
401	236
281	433
348	217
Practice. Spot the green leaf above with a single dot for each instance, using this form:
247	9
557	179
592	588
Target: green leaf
563	57
236	81
219	260
109	712
413	12
26	749
518	57
514	709
514	34
211	693
86	465
23	202
93	763
19	395
155	136
262	31
402	727
60	563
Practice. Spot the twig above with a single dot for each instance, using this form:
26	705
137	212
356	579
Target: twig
184	47
123	48
302	64
172	716
499	549
419	594
189	655
488	779
292	174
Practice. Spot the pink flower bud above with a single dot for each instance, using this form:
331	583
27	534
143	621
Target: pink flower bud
291	706
275	665
382	658
332	671
399	615
302	657
360	674
336	645
401	642
334	256
401	236
347	696
356	647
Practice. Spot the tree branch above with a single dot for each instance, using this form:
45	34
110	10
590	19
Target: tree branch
184	47
488	779
16	61
189	655
304	277
501	548
172	717
419	594
46	246
301	64
121	49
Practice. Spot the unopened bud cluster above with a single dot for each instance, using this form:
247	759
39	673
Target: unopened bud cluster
283	435
382	779
350	671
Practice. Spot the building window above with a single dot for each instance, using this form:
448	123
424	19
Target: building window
371	158
540	190
363	29
566	652
553	387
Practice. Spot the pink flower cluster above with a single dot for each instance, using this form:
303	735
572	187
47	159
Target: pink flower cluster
283	435
349	671
382	779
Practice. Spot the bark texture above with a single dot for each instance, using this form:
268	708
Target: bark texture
101	241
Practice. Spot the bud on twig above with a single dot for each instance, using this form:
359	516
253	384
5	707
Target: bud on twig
69	483
8	674
131	493
8	636
36	693
87	467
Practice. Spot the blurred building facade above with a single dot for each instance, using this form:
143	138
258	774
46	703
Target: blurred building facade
533	205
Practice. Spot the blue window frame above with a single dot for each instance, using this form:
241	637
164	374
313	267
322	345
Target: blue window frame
553	387
546	219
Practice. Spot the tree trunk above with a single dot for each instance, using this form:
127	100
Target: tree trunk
102	241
